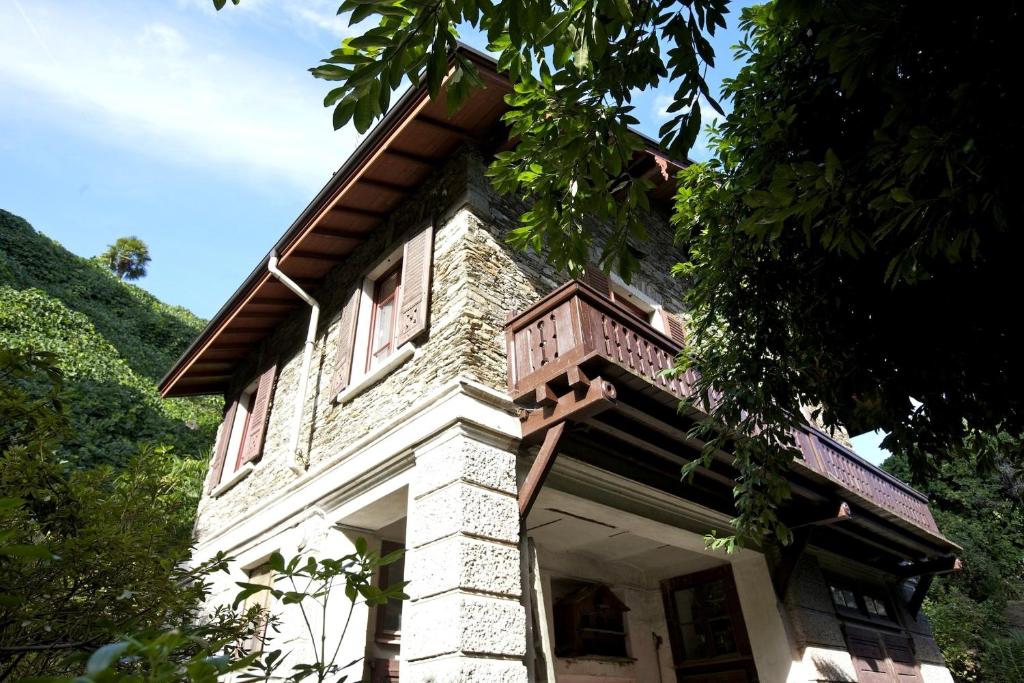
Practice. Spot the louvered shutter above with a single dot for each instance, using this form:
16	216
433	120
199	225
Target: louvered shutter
901	654
675	328
259	413
869	659
346	342
414	307
221	449
597	278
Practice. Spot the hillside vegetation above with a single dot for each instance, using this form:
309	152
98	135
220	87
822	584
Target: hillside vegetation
112	340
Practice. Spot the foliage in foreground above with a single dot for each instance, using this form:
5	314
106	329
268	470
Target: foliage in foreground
111	340
94	572
848	243
967	610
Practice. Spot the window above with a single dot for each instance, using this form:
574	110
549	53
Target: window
383	317
241	435
264	576
239	428
389	615
859	601
706	628
632	303
589	621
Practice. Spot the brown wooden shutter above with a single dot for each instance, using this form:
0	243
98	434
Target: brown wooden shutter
223	437
414	307
675	328
346	341
597	278
868	656
882	658
259	413
901	655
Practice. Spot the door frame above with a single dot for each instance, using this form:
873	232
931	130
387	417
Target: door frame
742	660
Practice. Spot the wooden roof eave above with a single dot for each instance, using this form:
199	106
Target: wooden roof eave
376	144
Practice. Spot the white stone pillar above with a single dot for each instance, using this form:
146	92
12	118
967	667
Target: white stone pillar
464	620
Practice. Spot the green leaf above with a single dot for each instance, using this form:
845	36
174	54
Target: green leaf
101	659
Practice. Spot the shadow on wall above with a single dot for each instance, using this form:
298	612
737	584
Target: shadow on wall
828	671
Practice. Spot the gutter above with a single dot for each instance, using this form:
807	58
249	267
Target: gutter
295	460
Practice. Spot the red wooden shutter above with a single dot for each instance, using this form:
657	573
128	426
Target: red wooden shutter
675	328
223	437
414	307
346	341
597	278
252	448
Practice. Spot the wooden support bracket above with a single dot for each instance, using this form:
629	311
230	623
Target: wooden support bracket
539	470
842	514
920	591
790	556
583	400
937	565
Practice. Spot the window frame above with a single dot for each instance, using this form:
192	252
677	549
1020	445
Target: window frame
384	579
395	298
256	642
240	429
741	661
861	591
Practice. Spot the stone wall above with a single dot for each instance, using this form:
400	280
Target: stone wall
477	279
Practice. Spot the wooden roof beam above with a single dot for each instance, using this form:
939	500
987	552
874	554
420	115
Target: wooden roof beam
311	255
421	159
339	233
386	185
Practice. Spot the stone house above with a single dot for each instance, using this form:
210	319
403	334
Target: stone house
393	370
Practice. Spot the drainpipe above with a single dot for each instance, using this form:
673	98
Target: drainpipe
307	359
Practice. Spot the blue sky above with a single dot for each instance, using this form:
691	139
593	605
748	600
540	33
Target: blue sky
200	132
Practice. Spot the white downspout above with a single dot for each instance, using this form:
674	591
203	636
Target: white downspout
307	359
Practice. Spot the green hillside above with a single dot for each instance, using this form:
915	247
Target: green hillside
113	341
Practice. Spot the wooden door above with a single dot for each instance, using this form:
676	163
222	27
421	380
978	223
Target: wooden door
706	629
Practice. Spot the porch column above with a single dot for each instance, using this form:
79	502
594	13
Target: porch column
464	620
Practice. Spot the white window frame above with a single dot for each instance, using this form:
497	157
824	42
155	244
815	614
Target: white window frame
654	310
237	433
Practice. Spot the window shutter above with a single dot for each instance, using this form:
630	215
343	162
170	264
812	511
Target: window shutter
674	326
260	412
597	278
346	342
415	304
221	449
901	654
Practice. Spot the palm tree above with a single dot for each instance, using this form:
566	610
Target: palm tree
127	258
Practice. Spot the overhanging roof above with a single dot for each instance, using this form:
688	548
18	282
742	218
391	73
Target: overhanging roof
391	163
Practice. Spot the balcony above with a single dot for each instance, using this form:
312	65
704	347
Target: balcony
582	363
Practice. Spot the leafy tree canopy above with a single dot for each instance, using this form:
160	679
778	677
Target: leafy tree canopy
848	246
127	258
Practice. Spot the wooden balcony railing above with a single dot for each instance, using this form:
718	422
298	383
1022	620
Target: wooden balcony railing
577	326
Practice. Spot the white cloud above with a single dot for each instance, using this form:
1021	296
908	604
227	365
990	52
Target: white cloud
177	91
663	102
